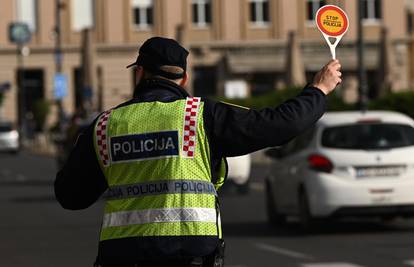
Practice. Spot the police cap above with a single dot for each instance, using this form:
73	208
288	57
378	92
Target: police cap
162	56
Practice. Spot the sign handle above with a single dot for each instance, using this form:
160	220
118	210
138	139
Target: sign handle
332	46
333	23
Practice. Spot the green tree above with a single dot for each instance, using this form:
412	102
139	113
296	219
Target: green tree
41	111
402	102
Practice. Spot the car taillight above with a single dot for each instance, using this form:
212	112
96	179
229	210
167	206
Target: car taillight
320	163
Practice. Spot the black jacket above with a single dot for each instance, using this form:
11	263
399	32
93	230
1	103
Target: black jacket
231	131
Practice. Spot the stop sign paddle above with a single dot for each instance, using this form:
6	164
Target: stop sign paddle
333	23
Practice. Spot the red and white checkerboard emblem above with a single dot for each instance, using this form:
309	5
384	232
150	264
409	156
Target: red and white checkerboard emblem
101	137
192	106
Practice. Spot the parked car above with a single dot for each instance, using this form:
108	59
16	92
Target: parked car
239	172
9	138
349	164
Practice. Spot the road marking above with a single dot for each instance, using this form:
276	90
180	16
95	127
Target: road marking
284	252
409	262
330	264
257	186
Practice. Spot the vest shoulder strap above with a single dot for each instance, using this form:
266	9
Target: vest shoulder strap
191	112
101	133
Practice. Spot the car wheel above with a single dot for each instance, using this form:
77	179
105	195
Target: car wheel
306	219
273	217
14	152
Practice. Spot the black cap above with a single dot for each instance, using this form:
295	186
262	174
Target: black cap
162	56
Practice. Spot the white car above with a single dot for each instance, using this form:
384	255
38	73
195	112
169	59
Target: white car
349	164
9	138
239	172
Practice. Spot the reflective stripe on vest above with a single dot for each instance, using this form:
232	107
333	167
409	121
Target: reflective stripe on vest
161	187
125	218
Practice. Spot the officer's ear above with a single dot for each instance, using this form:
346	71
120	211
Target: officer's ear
184	80
139	74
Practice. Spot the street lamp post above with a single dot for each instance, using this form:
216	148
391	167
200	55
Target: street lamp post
19	33
362	78
21	93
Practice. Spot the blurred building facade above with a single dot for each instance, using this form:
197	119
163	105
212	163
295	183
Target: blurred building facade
244	43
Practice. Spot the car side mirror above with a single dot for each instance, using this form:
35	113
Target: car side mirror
275	153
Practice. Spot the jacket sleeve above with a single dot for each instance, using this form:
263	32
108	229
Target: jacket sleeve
236	131
80	182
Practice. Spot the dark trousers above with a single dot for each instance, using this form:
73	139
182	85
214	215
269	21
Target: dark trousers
154	264
147	264
171	263
214	260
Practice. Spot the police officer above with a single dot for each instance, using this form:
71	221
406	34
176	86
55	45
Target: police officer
160	158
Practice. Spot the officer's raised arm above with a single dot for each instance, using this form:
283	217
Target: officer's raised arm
240	131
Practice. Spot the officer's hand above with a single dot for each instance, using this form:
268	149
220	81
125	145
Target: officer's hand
328	77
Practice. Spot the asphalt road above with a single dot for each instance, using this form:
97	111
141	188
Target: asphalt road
36	231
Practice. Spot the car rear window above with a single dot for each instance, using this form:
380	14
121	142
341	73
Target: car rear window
368	136
5	127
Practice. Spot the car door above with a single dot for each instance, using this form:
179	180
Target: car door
281	177
294	165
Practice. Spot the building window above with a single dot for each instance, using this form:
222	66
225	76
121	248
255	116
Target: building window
312	8
27	13
201	12
410	26
143	12
372	9
259	12
82	14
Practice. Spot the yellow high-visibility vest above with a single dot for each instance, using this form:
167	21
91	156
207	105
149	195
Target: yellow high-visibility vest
156	160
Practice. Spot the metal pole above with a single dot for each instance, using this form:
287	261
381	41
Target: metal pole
58	58
21	94
362	78
58	48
